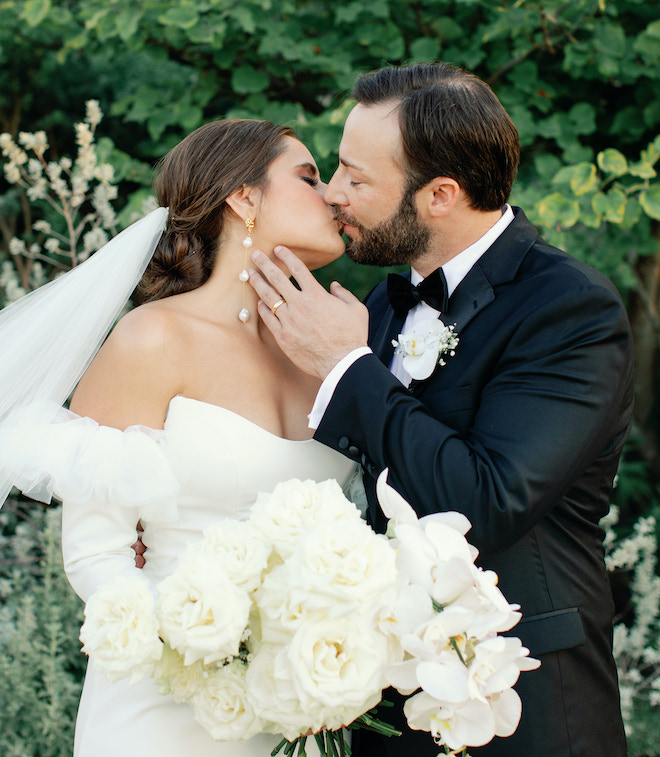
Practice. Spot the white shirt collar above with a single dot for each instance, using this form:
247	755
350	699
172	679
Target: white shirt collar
457	268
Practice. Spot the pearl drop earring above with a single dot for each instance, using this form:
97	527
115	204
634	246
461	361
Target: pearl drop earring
243	276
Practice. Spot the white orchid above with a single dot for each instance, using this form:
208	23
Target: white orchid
462	670
424	347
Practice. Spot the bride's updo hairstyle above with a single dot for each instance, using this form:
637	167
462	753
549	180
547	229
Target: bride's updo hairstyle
193	180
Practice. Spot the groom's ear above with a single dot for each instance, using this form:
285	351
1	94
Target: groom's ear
439	197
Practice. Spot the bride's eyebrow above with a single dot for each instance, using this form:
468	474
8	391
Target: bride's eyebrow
311	167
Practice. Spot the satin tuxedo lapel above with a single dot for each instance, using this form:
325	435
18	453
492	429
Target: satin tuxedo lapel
384	326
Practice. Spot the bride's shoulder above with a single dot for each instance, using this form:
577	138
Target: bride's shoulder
149	327
136	372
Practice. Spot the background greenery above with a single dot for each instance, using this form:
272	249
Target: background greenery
580	78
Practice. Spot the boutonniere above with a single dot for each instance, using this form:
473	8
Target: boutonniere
425	346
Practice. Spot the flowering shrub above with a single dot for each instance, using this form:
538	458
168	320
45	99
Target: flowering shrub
637	647
75	194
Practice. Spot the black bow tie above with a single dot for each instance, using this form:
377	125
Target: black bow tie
403	295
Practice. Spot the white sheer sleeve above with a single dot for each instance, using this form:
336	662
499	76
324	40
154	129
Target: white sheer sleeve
107	480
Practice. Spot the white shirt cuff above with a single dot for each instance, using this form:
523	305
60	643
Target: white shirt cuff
327	388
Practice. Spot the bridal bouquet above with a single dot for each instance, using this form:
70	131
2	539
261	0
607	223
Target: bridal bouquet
294	621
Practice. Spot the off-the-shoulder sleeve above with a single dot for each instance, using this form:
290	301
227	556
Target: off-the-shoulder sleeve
107	480
76	460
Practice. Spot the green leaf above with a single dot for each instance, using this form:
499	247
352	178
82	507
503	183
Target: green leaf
35	11
556	211
612	161
643	169
207	33
326	141
581	177
245	18
525	123
246	79
127	22
650	202
583	116
184	17
348	13
424	49
633	213
611	206
546	165
653	29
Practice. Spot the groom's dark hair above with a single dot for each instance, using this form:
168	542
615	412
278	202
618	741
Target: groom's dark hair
452	124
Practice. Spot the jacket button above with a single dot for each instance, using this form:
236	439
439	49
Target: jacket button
354	451
343	442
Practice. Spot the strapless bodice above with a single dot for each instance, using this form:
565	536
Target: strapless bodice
221	461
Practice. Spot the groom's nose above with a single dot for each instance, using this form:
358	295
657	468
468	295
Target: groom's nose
333	192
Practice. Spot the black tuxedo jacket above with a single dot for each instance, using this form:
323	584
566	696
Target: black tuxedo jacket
521	431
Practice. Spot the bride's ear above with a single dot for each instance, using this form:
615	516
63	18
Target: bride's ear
244	201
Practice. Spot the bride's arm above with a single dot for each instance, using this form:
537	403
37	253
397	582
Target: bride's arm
96	544
130	382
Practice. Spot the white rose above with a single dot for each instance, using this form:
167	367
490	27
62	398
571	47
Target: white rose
120	632
239	548
282	609
339	664
295	506
272	694
173	677
343	562
202	614
222	706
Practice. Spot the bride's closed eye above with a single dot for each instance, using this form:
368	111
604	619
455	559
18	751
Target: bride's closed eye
310	180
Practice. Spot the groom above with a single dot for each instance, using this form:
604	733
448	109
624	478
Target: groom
521	429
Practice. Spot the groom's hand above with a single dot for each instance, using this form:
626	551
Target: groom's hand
313	327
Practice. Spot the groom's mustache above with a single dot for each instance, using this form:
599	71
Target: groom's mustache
350	221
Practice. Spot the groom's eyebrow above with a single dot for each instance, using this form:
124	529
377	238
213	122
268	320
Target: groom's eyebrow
350	164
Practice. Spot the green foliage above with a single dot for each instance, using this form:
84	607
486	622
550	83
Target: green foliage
41	667
613	190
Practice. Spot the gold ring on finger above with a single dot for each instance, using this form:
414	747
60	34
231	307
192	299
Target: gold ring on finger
276	305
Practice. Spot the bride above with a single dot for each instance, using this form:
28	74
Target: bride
189	409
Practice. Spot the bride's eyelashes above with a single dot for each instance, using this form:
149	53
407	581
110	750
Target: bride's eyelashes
311	180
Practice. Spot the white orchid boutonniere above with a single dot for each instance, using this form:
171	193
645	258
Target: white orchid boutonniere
425	346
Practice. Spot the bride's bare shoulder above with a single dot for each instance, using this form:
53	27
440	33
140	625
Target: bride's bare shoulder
137	370
150	327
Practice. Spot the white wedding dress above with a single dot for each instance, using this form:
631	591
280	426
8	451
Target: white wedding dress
208	463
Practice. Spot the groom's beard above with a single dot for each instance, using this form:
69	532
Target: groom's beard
400	240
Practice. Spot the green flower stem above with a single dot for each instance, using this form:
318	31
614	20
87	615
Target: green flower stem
454	644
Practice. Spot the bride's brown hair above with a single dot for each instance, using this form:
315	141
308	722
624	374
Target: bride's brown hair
194	179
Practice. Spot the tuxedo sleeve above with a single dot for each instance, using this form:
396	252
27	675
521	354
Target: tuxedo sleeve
550	406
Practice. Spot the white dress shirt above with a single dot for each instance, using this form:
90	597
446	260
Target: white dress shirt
455	271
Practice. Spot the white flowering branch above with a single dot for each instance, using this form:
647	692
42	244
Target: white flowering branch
637	647
68	187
